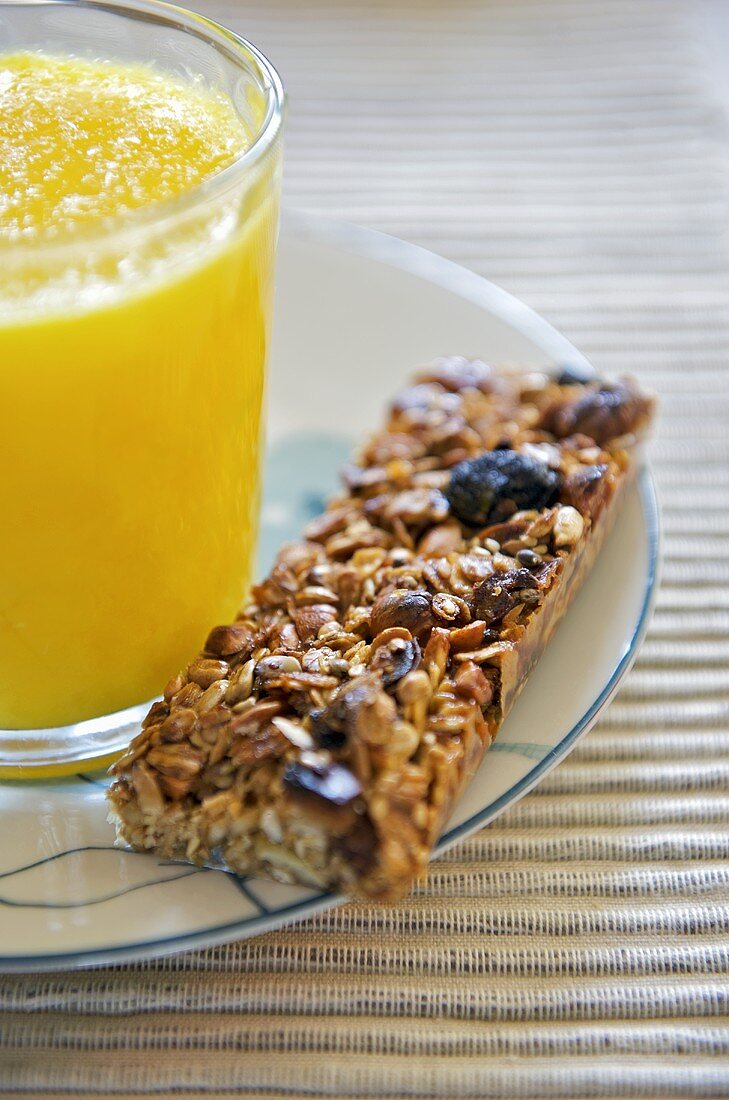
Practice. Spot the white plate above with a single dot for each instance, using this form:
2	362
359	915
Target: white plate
356	311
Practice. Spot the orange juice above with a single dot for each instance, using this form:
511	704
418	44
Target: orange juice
133	333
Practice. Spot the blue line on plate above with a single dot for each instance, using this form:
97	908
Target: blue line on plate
530	749
241	884
58	855
93	901
89	848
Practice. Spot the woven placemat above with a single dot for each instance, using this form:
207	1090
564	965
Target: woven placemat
576	152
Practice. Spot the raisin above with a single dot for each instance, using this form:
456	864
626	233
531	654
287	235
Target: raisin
496	484
500	592
325	735
586	489
359	845
600	413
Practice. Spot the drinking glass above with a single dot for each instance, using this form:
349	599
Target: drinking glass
132	369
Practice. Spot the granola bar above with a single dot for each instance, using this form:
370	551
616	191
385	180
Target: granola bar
324	737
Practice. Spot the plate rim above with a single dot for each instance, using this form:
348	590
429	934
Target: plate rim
466	284
432	268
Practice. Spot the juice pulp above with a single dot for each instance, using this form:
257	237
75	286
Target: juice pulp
130	384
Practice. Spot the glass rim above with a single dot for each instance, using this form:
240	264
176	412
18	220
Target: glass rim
232	45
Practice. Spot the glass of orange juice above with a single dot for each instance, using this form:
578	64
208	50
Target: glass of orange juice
140	160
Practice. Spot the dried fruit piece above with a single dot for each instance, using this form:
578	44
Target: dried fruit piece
328	732
602	412
496	484
495	596
586	489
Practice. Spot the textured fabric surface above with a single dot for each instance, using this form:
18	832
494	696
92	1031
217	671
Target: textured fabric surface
577	152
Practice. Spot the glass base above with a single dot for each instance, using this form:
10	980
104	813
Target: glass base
95	743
